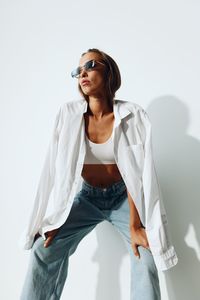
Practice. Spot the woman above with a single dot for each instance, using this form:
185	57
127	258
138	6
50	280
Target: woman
107	143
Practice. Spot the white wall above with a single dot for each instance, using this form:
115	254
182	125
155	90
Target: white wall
156	45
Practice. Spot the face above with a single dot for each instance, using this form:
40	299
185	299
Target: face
95	77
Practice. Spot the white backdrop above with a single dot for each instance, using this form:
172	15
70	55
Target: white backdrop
156	45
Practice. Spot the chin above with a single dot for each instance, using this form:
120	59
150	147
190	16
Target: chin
88	92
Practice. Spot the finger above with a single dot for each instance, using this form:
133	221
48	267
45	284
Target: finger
145	244
50	235
135	250
48	241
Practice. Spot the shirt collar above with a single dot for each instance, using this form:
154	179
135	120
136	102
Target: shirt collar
119	108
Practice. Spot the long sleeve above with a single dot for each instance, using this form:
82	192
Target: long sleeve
46	182
155	215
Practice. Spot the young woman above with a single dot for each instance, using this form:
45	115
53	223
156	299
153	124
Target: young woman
104	144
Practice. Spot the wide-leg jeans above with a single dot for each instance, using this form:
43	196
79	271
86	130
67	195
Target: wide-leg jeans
48	267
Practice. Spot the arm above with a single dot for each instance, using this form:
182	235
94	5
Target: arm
156	222
45	185
137	231
135	221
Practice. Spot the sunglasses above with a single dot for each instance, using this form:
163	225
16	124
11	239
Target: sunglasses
88	66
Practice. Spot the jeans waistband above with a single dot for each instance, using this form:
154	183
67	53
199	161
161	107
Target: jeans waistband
117	187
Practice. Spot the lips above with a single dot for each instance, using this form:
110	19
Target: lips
85	82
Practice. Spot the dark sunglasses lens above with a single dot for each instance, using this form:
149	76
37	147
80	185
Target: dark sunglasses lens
89	65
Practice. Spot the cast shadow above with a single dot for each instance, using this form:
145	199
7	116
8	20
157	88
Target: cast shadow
109	255
177	159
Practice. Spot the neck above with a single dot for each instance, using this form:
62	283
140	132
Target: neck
98	107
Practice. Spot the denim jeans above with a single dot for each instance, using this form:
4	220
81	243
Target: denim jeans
48	267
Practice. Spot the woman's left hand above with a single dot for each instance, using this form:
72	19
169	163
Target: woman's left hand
138	238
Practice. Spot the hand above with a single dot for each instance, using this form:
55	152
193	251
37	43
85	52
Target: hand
50	235
138	238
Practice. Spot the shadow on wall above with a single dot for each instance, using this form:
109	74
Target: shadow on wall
109	256
177	159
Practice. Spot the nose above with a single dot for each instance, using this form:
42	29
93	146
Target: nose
83	73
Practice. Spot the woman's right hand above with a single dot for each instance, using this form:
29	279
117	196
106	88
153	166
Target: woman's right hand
50	235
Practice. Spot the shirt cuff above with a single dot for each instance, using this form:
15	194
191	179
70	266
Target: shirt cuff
166	260
25	242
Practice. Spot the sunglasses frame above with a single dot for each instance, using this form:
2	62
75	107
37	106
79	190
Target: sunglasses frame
89	65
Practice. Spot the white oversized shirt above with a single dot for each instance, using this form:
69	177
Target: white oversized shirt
61	175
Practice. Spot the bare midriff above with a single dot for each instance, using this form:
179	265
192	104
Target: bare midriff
100	175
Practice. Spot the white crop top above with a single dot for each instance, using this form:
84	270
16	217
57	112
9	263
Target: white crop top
99	153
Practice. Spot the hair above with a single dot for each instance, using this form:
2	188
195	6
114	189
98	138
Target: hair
112	75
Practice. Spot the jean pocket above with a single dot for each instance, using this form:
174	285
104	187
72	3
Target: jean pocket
36	237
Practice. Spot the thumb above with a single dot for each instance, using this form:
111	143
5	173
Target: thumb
135	250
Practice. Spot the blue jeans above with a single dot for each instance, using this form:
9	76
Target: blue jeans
48	267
